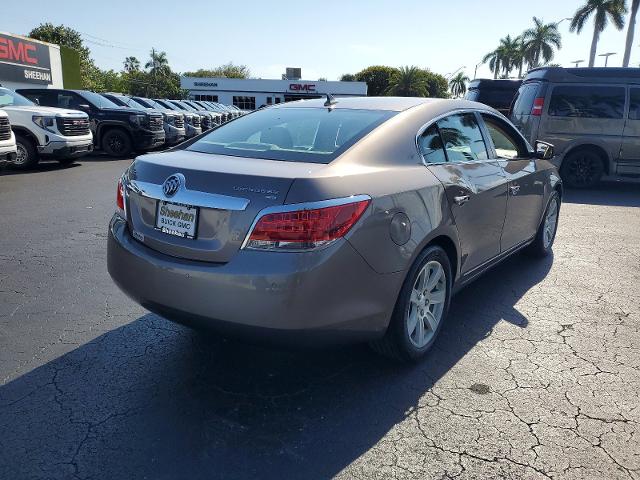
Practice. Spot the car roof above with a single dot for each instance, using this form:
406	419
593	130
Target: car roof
396	104
585	75
498	84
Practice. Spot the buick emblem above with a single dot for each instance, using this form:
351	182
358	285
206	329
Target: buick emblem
171	185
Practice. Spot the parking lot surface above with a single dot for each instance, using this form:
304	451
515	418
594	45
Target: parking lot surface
536	374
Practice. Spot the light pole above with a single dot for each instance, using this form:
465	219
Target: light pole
449	75
475	70
577	62
566	18
606	57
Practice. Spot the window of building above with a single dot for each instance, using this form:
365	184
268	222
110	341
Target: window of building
206	98
462	138
245	103
269	100
278	100
587	101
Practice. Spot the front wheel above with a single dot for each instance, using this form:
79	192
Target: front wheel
421	308
582	169
27	153
543	243
116	143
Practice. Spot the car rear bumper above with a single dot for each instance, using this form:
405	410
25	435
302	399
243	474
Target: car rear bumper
323	297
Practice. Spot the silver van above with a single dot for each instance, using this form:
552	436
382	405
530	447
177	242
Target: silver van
590	115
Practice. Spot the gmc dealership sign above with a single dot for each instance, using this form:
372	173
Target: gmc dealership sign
23	60
303	87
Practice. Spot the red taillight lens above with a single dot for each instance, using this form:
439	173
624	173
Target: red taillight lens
538	103
120	199
304	229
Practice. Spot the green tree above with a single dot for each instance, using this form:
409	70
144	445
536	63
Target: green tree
458	84
61	35
228	70
494	58
635	4
377	78
348	77
540	41
131	64
408	82
437	85
158	63
603	11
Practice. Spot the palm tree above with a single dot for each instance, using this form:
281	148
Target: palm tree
157	63
494	58
630	32
603	11
540	40
458	84
131	64
408	82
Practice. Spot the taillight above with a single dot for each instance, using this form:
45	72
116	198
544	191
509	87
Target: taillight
538	103
120	199
299	228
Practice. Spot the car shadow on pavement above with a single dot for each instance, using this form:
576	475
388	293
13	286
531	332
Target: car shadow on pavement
615	194
152	399
48	166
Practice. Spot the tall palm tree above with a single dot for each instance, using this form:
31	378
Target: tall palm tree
157	63
540	40
630	32
495	60
458	84
408	82
603	11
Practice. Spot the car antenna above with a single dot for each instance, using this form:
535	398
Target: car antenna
330	100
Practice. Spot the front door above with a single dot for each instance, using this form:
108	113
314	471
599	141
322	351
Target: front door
475	186
526	183
629	161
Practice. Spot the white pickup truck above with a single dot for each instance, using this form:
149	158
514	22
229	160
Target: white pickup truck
7	140
45	132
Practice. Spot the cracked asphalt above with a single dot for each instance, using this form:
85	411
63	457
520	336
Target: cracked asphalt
535	375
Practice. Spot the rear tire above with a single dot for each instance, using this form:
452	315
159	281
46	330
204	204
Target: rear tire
116	143
543	243
27	153
582	168
421	308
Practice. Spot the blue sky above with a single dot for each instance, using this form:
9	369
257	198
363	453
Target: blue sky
325	38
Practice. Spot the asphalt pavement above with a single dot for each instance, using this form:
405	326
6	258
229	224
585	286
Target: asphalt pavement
535	375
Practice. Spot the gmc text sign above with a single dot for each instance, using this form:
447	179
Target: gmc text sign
23	60
303	87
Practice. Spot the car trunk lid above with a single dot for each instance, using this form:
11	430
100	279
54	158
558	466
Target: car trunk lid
226	192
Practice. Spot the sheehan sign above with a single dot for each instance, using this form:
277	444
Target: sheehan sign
22	60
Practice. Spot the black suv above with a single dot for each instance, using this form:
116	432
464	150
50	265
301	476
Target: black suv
498	94
117	130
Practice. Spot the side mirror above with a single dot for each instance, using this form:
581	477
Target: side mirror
36	101
544	150
84	107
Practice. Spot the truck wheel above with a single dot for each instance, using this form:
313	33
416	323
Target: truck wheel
27	154
582	168
116	143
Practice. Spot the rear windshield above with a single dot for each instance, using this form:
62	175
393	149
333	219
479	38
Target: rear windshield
587	101
494	97
523	103
316	135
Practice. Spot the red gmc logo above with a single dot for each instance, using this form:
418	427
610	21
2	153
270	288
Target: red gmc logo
303	87
17	51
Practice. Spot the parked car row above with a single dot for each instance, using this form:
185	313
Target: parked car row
590	115
65	124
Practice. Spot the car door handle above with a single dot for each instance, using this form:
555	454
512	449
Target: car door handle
461	200
514	189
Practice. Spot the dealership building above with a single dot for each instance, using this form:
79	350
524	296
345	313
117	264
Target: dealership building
253	93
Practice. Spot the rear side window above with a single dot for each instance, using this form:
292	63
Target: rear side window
634	104
524	100
462	138
506	140
316	135
430	145
587	101
472	95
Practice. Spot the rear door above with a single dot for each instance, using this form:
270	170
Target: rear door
525	181
523	115
475	185
629	162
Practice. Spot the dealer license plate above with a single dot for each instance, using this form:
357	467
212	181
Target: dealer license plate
175	219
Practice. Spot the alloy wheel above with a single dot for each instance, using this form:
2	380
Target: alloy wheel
116	144
21	154
426	304
582	170
550	223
